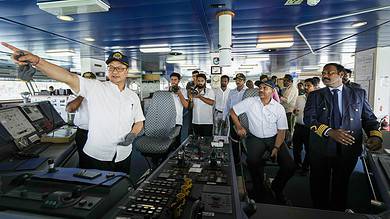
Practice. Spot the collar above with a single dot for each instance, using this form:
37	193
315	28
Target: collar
117	88
340	88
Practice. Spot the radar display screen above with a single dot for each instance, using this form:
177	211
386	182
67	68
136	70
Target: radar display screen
15	123
33	113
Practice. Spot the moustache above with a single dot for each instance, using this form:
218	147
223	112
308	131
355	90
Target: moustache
326	79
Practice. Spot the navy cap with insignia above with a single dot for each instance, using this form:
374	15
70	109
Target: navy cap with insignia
118	56
240	76
268	83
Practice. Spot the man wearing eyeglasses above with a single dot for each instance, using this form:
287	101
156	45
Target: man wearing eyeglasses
336	115
115	114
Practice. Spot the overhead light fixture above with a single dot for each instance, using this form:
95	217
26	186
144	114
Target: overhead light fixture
188	66
358	24
274	45
60	52
275	41
65	18
314	67
156	48
67	7
257	58
180	62
133	71
89	39
313	2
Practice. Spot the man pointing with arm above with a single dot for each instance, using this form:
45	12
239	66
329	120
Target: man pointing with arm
115	111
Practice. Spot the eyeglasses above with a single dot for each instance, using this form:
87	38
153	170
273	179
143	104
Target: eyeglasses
118	69
328	72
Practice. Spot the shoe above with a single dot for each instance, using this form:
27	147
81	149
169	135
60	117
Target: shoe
303	171
279	197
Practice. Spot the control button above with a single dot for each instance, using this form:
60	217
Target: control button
90	204
82	202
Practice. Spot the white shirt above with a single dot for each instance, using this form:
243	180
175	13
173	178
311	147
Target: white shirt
234	97
264	121
300	106
221	97
81	115
179	106
289	98
202	112
112	114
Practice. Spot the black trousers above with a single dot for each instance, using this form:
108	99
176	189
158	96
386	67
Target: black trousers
203	130
92	163
301	137
235	141
336	171
256	148
81	139
177	141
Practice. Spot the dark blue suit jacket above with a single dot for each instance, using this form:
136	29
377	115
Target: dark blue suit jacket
356	115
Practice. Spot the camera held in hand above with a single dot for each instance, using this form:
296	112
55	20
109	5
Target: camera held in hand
194	91
174	88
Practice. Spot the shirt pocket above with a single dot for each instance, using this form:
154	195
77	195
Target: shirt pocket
270	119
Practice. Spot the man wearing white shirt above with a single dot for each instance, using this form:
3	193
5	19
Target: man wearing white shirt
115	113
221	96
267	128
180	98
80	106
235	96
288	100
202	118
301	132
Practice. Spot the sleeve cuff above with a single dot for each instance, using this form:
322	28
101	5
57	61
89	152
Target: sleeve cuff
322	130
376	133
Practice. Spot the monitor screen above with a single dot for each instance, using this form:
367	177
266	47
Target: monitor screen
33	113
51	114
15	123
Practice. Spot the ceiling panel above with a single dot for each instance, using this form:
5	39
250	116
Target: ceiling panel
191	27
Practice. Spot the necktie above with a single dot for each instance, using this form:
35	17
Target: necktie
335	148
336	115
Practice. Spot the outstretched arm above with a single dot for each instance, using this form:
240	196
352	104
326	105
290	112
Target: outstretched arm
51	70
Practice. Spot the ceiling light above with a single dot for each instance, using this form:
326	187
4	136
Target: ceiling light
188	66
245	68
313	2
358	24
182	62
60	52
257	58
157	48
314	67
275	39
274	45
89	39
65	18
66	7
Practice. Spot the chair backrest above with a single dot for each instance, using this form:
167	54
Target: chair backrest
161	116
253	92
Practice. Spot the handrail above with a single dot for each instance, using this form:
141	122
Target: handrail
333	18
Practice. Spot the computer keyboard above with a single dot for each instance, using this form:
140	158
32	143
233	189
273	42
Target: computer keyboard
31	152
